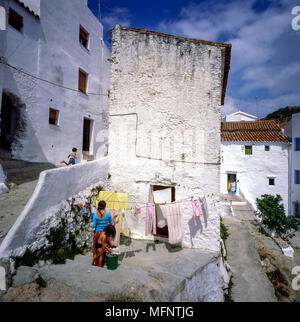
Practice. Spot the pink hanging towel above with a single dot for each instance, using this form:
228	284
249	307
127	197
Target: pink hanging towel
150	215
197	210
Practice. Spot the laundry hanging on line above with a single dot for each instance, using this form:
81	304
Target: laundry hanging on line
113	199
173	215
150	220
197	210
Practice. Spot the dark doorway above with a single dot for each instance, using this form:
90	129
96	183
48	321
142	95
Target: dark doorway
163	232
9	122
86	135
232	183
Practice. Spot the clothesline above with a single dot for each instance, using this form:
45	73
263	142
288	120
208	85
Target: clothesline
145	203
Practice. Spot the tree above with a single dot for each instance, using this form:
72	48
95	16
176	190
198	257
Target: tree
271	211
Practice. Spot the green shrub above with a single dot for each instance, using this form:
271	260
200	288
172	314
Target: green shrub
41	282
223	230
271	211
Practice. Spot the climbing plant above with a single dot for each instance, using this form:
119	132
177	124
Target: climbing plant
271	211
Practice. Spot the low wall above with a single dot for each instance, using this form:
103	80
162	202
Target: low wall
50	202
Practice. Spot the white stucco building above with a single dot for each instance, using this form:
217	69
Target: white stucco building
54	81
254	160
166	94
239	116
292	130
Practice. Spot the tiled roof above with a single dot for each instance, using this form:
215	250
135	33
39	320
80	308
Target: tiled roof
206	42
255	131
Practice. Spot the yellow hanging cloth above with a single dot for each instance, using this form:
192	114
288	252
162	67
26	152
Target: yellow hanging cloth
229	186
114	200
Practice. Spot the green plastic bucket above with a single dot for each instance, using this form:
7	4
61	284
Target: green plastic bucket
112	262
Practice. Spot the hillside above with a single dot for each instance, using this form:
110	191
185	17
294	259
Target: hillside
283	115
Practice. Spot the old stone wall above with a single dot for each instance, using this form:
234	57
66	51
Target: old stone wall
165	124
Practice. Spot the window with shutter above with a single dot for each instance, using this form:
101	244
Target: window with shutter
297	176
248	149
271	181
83	37
15	20
297	209
53	116
82	82
297	144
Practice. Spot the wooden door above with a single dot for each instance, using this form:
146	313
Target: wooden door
86	135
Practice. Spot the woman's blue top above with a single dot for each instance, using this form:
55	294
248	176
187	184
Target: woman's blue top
100	223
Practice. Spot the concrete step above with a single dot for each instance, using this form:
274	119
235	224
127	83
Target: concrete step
228	198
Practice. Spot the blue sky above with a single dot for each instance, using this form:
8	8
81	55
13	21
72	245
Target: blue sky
265	63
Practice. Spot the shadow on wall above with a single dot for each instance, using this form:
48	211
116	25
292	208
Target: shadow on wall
17	132
195	229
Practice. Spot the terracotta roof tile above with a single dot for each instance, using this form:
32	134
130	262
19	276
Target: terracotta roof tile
256	131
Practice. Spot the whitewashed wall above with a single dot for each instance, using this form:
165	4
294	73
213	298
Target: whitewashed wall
253	170
175	88
3	35
53	189
295	165
50	48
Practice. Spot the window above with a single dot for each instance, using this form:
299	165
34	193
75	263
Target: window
15	20
82	81
297	176
83	37
271	181
267	148
297	144
248	149
53	116
297	209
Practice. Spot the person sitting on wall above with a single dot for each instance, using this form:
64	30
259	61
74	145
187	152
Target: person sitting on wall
72	157
104	245
100	220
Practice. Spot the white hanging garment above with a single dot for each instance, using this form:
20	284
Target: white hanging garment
160	197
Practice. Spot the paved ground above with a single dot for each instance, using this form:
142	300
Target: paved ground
147	271
250	282
12	204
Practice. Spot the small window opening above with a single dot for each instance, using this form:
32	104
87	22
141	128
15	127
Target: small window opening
248	149
83	37
53	116
267	148
15	20
82	81
271	181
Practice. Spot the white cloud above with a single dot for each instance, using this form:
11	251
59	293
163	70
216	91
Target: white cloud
118	15
265	49
263	107
230	106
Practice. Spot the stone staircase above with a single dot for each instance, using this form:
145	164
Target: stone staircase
19	171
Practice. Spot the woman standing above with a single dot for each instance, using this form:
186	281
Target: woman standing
100	220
